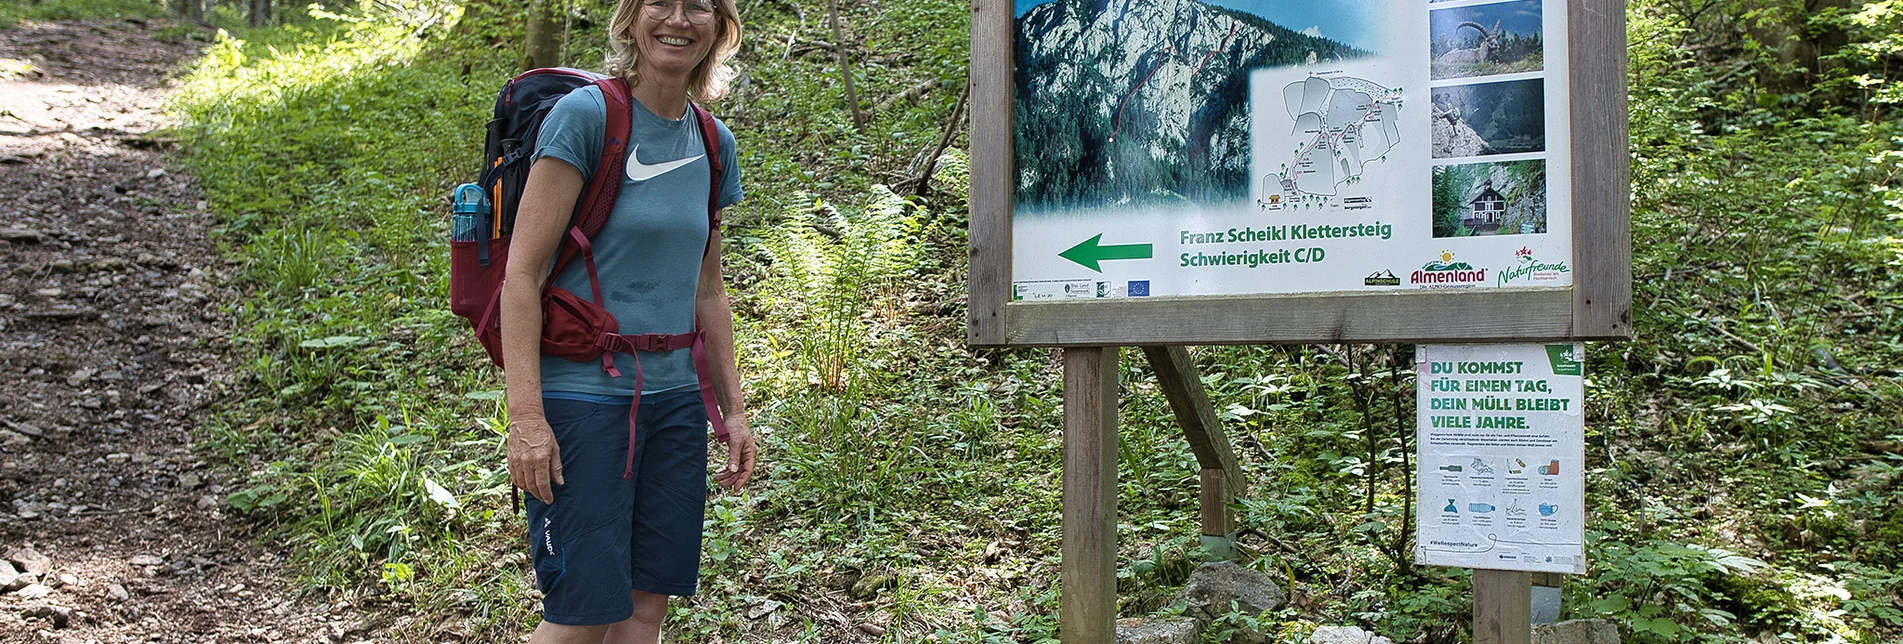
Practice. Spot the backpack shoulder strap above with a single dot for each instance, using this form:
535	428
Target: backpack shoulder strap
710	137
597	200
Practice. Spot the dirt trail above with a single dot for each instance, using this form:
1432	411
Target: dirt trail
111	338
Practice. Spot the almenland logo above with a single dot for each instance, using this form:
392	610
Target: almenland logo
1447	273
1531	269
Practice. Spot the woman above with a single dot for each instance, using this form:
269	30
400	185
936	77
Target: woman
615	522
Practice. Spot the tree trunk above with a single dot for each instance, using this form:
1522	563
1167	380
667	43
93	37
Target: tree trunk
260	13
541	48
845	66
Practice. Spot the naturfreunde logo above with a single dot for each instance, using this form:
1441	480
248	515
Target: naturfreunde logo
1447	273
1531	269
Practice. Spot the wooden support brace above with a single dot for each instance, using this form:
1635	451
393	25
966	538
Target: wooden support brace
1222	480
1087	600
1503	607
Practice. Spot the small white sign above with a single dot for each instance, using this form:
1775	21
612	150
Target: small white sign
1501	442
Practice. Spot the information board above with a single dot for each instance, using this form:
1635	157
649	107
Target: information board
1501	441
1240	171
1266	146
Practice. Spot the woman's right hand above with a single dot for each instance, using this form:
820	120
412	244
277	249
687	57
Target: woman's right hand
534	459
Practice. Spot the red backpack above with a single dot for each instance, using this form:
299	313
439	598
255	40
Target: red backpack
572	327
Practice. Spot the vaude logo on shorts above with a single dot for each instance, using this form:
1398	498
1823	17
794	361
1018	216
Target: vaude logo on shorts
638	171
548	535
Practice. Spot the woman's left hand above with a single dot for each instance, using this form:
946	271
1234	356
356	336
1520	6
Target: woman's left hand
741	453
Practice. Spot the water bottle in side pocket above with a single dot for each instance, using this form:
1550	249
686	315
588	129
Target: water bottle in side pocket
469	207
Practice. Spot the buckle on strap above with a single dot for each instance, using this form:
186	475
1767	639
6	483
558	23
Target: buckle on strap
623	343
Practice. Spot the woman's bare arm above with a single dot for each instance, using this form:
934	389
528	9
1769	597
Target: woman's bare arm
540	220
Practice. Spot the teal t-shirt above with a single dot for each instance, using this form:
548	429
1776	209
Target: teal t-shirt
649	253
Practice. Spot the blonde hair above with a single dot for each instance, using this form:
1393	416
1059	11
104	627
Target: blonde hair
709	80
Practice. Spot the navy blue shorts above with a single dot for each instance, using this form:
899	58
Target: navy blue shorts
606	535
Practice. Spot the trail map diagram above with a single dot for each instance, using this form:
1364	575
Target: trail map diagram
1345	123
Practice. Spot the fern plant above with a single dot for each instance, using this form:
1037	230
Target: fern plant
833	269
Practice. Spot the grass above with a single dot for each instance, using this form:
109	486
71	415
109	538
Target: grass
1740	481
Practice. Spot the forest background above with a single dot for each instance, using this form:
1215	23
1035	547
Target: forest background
1744	449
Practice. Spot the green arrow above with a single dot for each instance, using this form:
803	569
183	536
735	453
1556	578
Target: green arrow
1088	253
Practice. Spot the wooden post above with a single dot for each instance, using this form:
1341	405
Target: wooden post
1222	479
1087	600
1503	607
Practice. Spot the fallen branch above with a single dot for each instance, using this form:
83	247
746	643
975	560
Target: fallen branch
912	94
923	183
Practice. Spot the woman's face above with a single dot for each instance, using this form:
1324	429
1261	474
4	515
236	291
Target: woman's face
671	44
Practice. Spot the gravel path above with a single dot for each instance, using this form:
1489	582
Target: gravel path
111	334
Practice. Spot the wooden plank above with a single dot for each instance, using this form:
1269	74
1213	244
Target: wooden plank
992	53
1601	170
1183	388
1214	501
1503	607
1547	579
1517	315
1087	601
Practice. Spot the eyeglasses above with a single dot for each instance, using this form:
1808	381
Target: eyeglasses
696	11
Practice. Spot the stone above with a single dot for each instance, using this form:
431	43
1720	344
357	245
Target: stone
10	438
1158	630
1215	585
80	377
30	560
118	592
21	235
7	576
146	560
188	481
1345	635
1578	631
34	591
60	616
869	585
68	579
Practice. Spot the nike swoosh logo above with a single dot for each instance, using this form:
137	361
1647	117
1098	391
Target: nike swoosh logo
638	171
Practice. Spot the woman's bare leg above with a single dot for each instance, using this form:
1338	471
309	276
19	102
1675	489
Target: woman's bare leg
645	626
548	633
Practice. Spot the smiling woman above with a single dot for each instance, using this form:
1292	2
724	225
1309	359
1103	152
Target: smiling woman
615	461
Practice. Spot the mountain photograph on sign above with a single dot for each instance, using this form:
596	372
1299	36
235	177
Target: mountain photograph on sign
1489	118
1135	102
1506	198
1488	39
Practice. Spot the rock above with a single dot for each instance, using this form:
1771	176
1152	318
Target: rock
34	591
118	592
1578	631
1158	630
869	585
30	560
1345	635
7	576
21	235
872	629
207	502
1214	585
765	608
155	173
146	560
10	438
60	616
68	579
188	481
29	430
80	377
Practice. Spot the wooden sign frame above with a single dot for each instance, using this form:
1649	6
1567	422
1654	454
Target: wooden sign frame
1598	306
